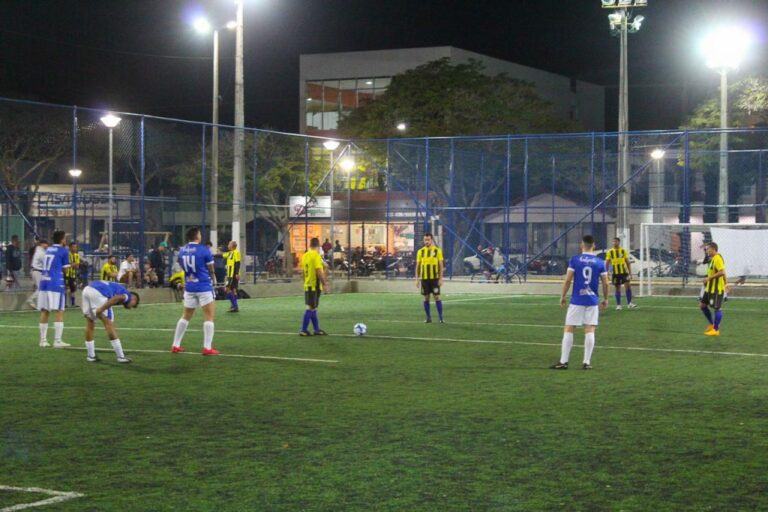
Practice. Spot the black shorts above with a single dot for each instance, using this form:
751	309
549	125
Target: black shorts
714	300
430	286
71	283
312	298
233	283
620	279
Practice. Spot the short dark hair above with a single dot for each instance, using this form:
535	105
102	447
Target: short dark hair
428	234
58	237
133	294
72	243
712	245
315	242
14	237
192	233
588	240
617	239
42	241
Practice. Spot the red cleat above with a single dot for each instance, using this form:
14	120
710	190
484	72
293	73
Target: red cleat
210	352
176	350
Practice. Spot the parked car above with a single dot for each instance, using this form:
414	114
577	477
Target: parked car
661	264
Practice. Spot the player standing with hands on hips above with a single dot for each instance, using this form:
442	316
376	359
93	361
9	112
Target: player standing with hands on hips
584	270
197	261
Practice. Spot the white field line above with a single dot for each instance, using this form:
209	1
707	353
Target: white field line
452	340
56	497
243	356
479	324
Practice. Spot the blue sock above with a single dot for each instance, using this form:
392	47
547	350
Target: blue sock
315	320
426	310
233	299
439	305
305	322
629	295
718	318
618	298
72	298
708	314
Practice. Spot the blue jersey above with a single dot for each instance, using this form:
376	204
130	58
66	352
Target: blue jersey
109	289
194	259
52	276
587	269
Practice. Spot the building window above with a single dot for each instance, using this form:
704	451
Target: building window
328	100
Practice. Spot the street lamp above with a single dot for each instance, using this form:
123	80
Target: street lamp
347	164
203	26
75	173
110	121
724	49
621	25
657	184
331	146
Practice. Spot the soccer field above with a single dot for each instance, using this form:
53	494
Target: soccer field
413	416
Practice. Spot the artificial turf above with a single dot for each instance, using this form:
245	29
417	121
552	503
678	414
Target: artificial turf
412	416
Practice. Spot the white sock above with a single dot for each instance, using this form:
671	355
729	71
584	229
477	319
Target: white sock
181	328
58	331
565	354
90	346
118	348
589	346
43	332
207	334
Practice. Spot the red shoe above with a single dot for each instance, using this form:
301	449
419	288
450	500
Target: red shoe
210	352
176	350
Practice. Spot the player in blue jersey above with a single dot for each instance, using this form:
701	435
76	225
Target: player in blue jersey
52	293
97	301
197	262
584	270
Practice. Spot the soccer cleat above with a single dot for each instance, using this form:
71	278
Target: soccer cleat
428	321
94	359
233	310
586	366
210	352
442	321
631	305
619	308
44	344
712	333
124	360
60	344
177	350
710	328
320	332
559	366
305	333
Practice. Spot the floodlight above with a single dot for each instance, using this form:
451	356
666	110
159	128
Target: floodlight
347	164
202	25
110	120
75	173
726	47
641	3
625	3
657	154
636	23
231	25
615	19
331	145
401	127
609	3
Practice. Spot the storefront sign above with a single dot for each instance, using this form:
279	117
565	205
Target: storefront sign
316	207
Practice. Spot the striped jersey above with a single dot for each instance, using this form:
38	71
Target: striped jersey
619	260
311	262
74	266
109	272
716	286
428	261
233	259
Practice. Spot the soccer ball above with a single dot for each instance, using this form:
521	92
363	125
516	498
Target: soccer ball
360	329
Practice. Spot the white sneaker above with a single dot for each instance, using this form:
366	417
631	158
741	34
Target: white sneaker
123	360
60	344
94	359
619	308
631	305
45	344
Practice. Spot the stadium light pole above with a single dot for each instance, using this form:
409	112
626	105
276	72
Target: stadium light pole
203	26
657	184
621	25
347	164
238	185
724	50
331	146
75	173
110	121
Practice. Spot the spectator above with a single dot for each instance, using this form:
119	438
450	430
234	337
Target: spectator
327	246
338	247
151	278
157	263
36	265
129	272
109	269
12	263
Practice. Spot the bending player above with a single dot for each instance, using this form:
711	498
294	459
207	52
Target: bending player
429	275
97	301
197	261
617	258
584	271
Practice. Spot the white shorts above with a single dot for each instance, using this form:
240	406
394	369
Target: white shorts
36	275
194	300
582	315
93	300
50	301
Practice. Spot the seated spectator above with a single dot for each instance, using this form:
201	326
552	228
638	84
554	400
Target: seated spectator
150	276
129	272
109	270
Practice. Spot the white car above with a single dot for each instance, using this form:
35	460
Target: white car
653	267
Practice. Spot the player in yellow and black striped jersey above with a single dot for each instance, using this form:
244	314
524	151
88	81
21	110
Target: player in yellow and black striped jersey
617	258
70	274
233	259
714	290
429	275
109	270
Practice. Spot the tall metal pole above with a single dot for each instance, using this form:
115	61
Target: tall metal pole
333	238
622	226
215	145
74	209
238	193
722	213
110	196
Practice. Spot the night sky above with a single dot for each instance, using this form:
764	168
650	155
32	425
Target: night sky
142	55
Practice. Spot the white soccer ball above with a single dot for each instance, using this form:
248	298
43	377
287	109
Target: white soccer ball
360	329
